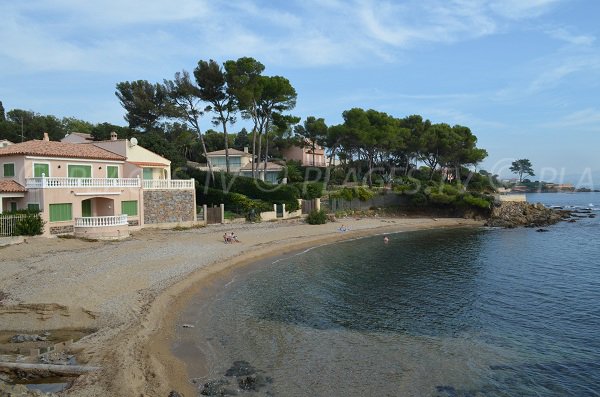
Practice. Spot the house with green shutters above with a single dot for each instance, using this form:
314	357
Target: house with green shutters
95	189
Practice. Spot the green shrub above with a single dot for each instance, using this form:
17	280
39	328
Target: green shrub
442	198
419	199
479	202
309	190
317	217
350	193
31	225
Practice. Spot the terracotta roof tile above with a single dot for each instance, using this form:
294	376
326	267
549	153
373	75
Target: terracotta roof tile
59	149
10	186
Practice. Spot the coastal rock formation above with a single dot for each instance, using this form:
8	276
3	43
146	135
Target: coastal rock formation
515	214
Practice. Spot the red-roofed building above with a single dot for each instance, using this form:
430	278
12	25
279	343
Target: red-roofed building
93	189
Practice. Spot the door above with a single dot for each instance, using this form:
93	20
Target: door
86	208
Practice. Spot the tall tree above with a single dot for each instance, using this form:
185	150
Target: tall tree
462	150
417	127
213	89
144	102
184	100
313	133
243	81
374	132
2	113
277	96
522	167
435	144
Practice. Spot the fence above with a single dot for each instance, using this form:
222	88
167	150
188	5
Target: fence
8	224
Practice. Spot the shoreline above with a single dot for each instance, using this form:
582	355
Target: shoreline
131	296
177	373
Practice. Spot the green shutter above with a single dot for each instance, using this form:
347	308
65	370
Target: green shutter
33	207
41	169
112	171
61	212
9	170
86	208
129	208
80	171
148	173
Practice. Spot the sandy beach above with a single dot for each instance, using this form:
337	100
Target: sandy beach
125	296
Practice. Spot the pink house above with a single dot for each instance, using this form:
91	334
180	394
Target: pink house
305	155
96	189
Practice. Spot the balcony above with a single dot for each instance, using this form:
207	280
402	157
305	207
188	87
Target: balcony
43	183
102	227
162	184
101	221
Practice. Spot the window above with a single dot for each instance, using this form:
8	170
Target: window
33	207
13	206
80	171
41	169
61	212
9	169
112	171
148	173
129	208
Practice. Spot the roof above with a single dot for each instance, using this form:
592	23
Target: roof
147	164
10	186
232	152
83	135
261	166
59	149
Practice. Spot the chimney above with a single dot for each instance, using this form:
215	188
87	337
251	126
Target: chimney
46	137
113	136
245	149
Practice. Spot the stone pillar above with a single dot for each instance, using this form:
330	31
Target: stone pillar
222	213
195	210
283	211
317	204
204	212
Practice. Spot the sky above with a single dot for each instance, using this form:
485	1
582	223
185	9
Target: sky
524	75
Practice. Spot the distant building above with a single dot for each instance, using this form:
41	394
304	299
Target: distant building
5	143
304	154
77	137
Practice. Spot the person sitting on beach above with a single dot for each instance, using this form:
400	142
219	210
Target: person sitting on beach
234	238
342	228
227	238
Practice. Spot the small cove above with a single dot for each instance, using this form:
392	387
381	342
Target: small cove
433	313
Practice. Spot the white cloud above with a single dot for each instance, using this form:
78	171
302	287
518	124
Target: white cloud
587	119
565	35
522	9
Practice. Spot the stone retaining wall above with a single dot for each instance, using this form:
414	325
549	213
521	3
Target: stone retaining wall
169	206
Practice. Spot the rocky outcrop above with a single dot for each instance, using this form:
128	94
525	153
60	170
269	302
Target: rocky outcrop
515	214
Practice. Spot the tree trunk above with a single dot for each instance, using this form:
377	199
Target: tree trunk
266	147
51	368
254	158
224	122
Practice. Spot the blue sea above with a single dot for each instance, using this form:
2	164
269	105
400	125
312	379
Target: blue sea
459	312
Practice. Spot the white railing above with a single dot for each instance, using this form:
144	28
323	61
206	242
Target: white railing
168	184
8	223
33	183
101	221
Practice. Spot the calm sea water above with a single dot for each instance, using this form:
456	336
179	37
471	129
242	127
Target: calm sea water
464	312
